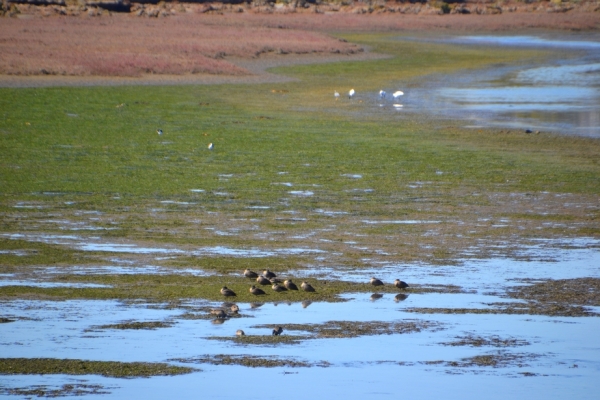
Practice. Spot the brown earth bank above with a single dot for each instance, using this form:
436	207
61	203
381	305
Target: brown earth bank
84	43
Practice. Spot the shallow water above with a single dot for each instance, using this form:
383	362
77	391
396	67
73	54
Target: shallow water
556	356
560	95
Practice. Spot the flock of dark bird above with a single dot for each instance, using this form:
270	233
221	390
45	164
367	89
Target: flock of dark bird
269	278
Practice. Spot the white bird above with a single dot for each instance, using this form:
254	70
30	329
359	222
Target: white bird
159	131
398	94
210	146
336	95
382	94
351	93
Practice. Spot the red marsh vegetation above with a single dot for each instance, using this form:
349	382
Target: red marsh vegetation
193	42
122	45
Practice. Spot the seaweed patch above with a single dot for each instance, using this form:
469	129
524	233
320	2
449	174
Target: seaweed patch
492	341
350	329
137	325
69	389
45	366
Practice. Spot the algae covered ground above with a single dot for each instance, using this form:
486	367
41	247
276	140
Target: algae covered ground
96	205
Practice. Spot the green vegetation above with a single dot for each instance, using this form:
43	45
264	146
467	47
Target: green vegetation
302	179
172	288
135	325
44	366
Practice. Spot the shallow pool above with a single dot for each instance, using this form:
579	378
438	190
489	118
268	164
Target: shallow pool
560	94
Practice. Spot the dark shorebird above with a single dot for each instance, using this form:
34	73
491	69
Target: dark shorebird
275	280
376	282
278	288
256	291
240	332
218	314
290	285
250	274
277	332
307	287
234	309
268	274
227	292
400	284
263	281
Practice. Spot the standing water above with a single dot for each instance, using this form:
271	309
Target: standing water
561	95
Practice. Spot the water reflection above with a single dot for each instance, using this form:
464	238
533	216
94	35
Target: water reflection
400	297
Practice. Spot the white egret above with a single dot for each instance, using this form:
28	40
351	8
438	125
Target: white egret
336	95
398	94
210	146
351	93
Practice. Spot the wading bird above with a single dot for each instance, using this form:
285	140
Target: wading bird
159	131
227	292
210	146
351	93
398	94
290	285
256	291
268	274
277	332
262	280
382	94
278	288
376	282
218	313
250	274
336	95
400	284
